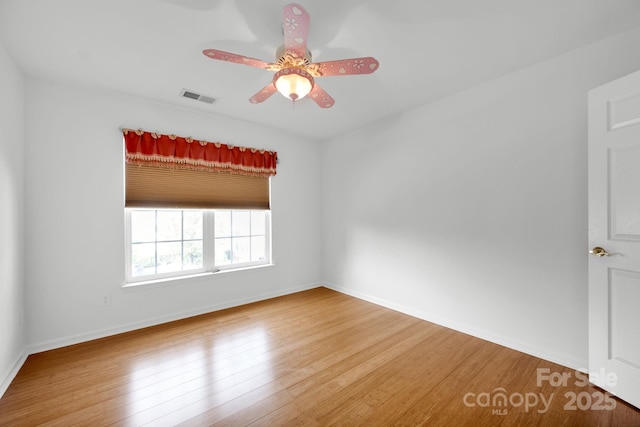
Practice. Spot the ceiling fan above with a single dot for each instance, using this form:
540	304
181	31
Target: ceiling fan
295	73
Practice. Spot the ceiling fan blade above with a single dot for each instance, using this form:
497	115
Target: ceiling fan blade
295	25
232	57
264	94
322	98
345	67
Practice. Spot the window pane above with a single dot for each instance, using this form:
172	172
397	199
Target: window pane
169	225
143	226
241	250
241	223
258	248
169	257
223	251
223	223
143	259
192	225
257	223
192	255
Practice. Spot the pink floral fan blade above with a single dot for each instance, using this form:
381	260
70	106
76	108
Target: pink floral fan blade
232	57
345	67
295	25
322	98
264	94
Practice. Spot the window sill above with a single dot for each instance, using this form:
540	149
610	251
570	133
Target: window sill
188	278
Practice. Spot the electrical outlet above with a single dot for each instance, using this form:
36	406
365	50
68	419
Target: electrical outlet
106	300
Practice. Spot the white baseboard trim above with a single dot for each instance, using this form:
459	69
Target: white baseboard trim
9	377
448	323
76	339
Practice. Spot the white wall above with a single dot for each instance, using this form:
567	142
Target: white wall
75	222
12	304
472	211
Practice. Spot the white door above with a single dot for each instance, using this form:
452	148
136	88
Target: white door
614	237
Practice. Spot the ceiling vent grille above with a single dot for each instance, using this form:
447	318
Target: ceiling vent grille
198	97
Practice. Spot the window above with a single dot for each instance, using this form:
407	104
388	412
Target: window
193	206
163	243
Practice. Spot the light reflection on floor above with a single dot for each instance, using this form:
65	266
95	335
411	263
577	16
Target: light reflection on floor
188	379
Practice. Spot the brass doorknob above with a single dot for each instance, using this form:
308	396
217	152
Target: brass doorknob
598	251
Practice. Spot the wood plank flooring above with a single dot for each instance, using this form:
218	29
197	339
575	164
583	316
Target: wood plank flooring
314	358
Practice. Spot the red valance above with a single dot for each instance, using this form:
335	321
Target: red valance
170	151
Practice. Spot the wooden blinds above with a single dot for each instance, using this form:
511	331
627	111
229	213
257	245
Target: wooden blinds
166	171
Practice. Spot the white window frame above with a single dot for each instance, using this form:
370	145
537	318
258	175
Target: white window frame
208	249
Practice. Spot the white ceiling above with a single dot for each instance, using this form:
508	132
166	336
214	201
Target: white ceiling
427	49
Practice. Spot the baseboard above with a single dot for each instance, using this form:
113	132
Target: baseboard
76	339
8	378
448	323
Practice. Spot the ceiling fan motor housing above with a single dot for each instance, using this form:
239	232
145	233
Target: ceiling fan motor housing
283	57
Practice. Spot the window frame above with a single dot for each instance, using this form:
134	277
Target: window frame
208	248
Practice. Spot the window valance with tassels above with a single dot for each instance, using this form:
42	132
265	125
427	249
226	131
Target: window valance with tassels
170	151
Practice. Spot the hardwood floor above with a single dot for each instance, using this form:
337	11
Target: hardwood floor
314	358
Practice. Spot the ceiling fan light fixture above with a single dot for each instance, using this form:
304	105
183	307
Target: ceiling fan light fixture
293	83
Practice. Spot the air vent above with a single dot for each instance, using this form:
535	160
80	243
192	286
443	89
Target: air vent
198	97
